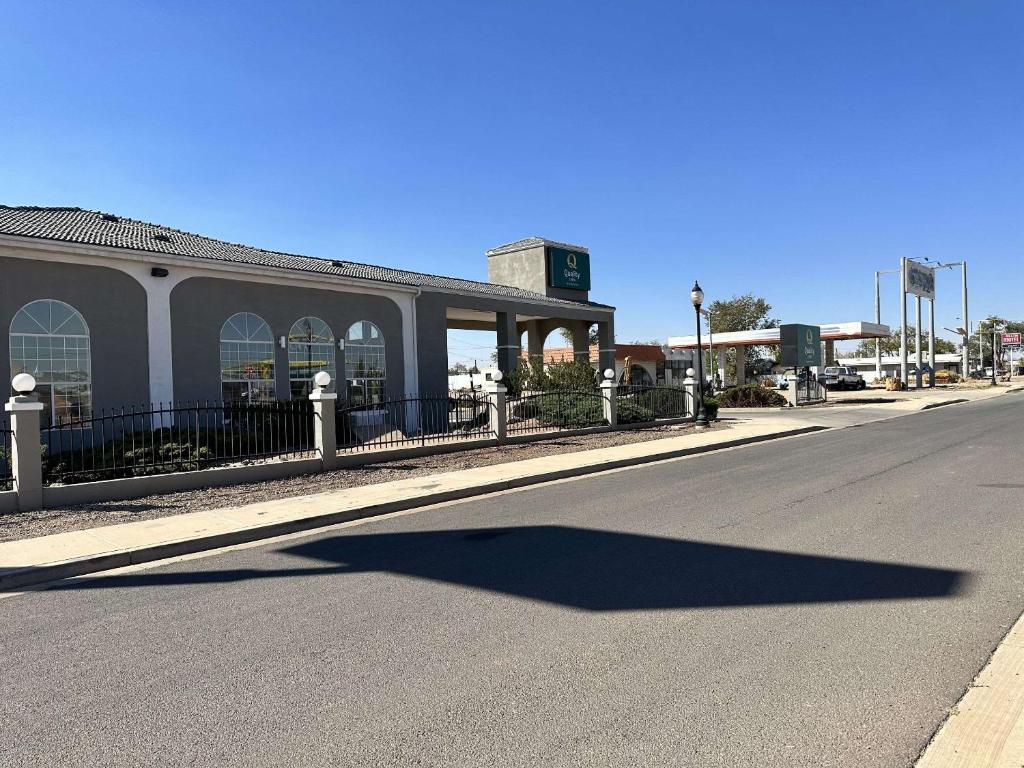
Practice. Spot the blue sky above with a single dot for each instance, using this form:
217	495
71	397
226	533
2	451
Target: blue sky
784	148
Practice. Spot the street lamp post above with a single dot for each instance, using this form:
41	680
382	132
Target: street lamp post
700	417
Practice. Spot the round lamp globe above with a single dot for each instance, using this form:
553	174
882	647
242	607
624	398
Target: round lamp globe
23	383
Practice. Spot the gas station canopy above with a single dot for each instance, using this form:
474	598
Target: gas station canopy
770	336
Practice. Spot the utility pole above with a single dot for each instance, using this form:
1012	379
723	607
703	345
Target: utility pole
878	317
904	369
965	347
963	309
931	343
917	342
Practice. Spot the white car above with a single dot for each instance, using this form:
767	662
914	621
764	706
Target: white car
841	377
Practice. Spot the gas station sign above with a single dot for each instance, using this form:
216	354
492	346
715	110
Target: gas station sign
801	345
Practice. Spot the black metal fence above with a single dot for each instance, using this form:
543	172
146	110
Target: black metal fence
809	392
175	438
640	404
423	420
554	410
6	461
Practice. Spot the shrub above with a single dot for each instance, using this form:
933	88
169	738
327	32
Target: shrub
656	402
631	412
578	376
711	408
750	396
562	409
528	377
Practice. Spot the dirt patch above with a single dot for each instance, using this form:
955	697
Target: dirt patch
22	525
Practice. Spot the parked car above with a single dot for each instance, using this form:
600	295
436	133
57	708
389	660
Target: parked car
841	377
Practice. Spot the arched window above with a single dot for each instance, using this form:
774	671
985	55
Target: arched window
310	349
364	363
50	340
246	359
638	376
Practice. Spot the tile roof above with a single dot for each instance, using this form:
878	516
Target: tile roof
639	352
78	225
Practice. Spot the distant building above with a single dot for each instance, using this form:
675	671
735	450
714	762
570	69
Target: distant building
649	363
891	364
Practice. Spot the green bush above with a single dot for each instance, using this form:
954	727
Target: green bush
749	396
631	412
577	376
711	407
572	410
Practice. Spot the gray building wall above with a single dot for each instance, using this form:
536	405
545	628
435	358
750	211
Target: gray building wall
432	329
200	305
114	307
527	268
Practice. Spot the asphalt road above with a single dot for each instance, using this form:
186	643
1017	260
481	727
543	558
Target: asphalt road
818	601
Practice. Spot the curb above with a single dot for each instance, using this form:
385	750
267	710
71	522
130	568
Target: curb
28	576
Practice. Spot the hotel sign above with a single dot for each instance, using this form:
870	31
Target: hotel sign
800	345
920	280
568	269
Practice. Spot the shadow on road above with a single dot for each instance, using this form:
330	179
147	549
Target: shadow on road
588	569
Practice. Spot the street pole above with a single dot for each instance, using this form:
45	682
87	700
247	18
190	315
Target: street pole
993	355
904	368
963	313
919	355
931	342
878	321
700	418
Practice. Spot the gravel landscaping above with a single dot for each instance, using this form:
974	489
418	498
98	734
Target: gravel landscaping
22	525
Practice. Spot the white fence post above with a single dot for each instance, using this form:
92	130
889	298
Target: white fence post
26	456
791	390
325	439
609	398
496	392
690	387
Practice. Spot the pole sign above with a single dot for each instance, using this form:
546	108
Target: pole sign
920	280
1011	339
801	345
568	269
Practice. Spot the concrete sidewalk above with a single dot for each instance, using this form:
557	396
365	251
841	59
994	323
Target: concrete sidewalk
62	555
45	558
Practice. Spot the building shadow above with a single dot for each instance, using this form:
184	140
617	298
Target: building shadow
593	570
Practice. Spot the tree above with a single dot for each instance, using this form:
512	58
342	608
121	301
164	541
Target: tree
743	313
455	370
891	344
984	330
591	335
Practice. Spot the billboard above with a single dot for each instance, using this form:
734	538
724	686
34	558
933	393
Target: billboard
568	269
1011	339
919	279
800	345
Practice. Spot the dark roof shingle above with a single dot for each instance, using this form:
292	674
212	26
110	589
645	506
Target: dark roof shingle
78	225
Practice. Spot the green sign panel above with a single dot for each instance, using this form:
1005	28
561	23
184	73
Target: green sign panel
568	269
801	345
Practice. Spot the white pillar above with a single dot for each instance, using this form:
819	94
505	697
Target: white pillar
410	358
26	457
721	364
610	401
496	392
325	439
